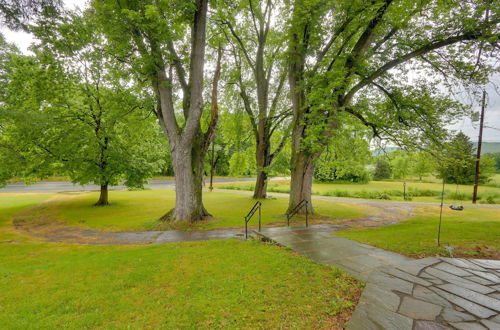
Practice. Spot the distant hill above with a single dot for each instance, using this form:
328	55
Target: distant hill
489	147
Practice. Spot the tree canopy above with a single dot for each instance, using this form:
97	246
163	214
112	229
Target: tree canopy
300	87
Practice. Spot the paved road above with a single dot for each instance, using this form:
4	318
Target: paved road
58	186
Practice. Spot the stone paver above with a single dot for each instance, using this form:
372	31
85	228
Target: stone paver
418	309
403	293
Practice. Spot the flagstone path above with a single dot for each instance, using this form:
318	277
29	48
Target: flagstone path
403	293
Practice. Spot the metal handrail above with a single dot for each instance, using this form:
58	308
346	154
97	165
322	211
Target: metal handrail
296	209
257	205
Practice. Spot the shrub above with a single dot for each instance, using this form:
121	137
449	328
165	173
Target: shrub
382	170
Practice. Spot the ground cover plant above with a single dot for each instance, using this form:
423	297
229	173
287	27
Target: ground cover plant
470	233
227	283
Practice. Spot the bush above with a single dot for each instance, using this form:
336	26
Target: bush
460	196
423	192
382	170
489	200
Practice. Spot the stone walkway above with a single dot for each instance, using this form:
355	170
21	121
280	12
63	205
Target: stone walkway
404	293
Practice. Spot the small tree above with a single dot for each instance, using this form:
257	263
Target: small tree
496	158
382	170
401	164
457	163
422	165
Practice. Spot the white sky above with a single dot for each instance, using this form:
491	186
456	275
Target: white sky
492	117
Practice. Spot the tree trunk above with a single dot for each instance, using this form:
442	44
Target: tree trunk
260	191
103	197
263	160
302	172
188	167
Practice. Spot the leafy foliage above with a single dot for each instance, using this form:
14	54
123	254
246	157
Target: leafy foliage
76	115
345	158
496	157
458	161
382	170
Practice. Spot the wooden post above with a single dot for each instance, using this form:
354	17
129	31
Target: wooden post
479	145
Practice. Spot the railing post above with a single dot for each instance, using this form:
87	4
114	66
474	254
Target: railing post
246	229
260	217
307	213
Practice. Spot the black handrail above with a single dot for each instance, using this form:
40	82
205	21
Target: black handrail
257	205
296	209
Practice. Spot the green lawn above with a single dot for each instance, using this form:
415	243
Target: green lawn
139	210
11	204
214	284
472	232
231	284
393	190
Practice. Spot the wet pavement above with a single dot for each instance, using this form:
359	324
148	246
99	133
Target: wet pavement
404	293
65	186
95	237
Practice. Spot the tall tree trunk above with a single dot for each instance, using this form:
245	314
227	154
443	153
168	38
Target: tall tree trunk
103	197
263	160
302	171
188	167
188	160
260	191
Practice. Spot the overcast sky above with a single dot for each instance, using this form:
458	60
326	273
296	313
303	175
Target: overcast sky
492	118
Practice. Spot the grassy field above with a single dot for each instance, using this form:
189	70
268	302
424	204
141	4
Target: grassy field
214	284
471	233
388	190
139	210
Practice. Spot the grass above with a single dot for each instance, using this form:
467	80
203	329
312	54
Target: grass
213	284
139	210
388	190
11	204
472	233
230	284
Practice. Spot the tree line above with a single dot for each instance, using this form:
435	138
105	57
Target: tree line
115	90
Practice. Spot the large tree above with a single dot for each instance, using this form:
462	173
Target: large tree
74	113
164	43
354	57
258	40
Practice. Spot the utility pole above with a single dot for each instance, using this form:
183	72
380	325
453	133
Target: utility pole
479	144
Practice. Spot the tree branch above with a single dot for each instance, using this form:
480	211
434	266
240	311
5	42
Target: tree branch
418	52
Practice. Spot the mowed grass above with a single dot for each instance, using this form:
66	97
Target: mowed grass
12	203
471	233
214	284
140	210
393	190
230	284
